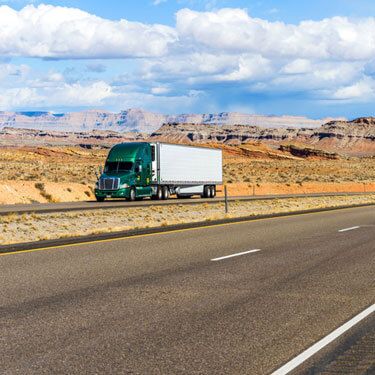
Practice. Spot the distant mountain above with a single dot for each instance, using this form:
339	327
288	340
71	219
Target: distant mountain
355	137
138	120
132	120
235	118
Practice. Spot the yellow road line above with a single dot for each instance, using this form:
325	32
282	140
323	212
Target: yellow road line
171	231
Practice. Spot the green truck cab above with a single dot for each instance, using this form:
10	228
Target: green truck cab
127	172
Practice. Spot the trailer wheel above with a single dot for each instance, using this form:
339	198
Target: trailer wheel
158	195
206	192
212	191
100	199
165	193
132	195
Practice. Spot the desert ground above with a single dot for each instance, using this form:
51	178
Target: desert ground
68	173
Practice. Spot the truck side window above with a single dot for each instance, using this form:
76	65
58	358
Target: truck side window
153	153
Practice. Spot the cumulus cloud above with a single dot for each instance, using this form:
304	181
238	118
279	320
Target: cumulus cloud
206	52
57	32
60	94
329	58
235	30
363	90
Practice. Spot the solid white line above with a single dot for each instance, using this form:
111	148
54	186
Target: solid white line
291	365
235	255
347	229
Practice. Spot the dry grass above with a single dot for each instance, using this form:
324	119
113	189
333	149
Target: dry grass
73	164
299	170
57	164
35	227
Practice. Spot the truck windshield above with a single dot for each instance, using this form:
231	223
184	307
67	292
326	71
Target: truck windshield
118	166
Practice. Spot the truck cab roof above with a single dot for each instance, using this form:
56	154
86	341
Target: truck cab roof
127	151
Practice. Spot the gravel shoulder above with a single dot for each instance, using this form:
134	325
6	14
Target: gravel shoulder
37	227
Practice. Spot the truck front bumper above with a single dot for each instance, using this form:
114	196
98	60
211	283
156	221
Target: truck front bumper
120	193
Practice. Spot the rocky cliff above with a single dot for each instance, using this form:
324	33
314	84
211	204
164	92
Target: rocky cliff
355	137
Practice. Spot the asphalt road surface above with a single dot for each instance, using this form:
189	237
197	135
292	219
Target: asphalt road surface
108	204
241	298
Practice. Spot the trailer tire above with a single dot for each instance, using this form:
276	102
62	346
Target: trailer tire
158	195
100	199
132	195
206	192
213	191
165	192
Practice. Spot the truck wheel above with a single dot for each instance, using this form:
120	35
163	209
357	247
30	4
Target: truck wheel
206	192
100	199
213	191
165	193
132	195
159	194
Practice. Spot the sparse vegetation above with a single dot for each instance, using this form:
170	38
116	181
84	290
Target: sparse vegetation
74	169
41	187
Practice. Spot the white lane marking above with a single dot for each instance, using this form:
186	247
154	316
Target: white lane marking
235	255
347	229
295	362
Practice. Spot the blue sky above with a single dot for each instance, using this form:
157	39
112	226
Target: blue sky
273	57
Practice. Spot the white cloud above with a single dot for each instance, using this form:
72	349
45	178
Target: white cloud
57	32
61	94
16	97
298	66
363	91
160	90
13	71
206	52
236	31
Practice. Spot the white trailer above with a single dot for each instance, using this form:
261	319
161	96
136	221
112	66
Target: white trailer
186	170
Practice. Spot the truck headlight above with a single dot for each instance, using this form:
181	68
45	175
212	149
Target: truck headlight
124	186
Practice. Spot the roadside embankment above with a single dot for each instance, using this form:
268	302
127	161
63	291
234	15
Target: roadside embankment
24	192
242	189
37	227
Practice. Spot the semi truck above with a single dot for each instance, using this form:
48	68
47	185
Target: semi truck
137	170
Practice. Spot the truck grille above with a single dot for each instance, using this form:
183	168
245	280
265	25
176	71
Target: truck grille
109	183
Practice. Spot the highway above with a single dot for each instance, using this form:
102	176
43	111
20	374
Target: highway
7	209
239	298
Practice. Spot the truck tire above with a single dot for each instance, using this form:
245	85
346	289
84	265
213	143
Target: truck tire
159	194
100	199
132	195
165	192
206	192
213	191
